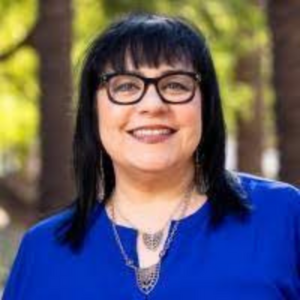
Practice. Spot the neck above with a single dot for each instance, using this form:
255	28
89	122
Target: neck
145	188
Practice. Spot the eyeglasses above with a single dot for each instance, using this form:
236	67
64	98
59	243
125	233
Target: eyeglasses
129	88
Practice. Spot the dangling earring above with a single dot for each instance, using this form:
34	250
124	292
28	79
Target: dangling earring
102	178
201	183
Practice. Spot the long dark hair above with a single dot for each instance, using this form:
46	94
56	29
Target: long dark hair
147	39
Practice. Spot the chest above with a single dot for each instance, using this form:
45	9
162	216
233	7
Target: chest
235	265
225	265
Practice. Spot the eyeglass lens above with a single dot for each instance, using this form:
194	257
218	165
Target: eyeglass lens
129	88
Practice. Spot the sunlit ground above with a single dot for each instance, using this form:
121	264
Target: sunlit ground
4	218
9	239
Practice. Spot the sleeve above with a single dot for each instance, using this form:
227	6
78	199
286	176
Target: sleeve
297	230
294	215
19	275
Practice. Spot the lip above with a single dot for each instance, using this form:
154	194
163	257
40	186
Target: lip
152	139
153	126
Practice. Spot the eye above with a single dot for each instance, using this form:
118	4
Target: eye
176	86
125	84
126	87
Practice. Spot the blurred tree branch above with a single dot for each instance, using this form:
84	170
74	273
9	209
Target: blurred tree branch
29	40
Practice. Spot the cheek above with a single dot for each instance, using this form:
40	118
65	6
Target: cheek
111	120
192	122
105	117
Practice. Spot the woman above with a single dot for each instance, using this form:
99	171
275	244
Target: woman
156	215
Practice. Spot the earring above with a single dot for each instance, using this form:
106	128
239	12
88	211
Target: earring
201	183
102	178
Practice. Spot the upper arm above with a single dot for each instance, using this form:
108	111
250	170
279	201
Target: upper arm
297	227
19	275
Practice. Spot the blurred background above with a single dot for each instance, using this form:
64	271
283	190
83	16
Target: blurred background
255	46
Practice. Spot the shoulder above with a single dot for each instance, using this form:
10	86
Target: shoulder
43	233
34	257
271	194
264	186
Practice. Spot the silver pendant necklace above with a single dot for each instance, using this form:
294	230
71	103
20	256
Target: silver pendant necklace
147	278
152	241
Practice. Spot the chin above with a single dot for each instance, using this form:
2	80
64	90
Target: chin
152	166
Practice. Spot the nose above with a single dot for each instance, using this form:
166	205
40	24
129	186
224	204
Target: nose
151	101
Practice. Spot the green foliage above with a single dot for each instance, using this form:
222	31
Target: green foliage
18	105
117	7
16	19
89	19
18	88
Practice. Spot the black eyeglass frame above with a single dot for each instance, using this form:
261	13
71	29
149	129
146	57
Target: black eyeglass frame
104	78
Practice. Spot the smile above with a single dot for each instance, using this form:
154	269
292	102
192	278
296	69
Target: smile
152	136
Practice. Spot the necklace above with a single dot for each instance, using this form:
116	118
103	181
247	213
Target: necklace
151	240
147	278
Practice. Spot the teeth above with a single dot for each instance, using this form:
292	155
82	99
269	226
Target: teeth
151	132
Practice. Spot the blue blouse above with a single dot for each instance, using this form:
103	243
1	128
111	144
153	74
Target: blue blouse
254	260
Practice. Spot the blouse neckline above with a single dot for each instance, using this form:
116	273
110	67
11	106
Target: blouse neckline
198	216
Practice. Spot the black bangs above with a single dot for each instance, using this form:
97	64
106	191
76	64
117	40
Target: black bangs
149	41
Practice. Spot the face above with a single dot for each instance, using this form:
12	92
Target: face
150	136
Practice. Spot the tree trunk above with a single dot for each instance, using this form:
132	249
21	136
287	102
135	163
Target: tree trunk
54	50
284	23
250	126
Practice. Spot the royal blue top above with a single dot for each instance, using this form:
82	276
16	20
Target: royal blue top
255	260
